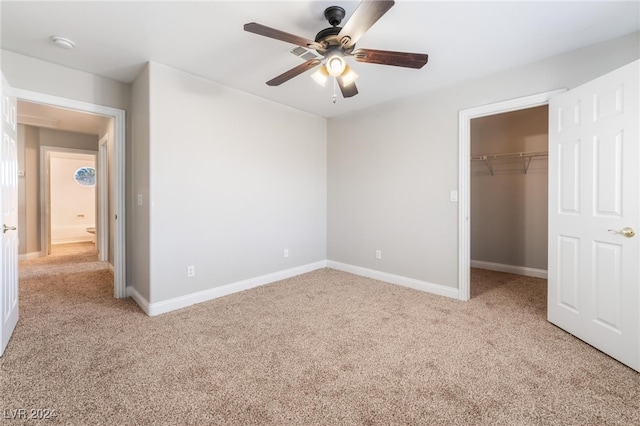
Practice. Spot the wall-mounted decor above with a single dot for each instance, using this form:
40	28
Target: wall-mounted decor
85	176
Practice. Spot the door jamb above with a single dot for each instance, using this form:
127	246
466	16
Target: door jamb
464	175
102	230
120	285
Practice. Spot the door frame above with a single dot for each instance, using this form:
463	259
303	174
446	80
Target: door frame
464	175
119	261
45	191
102	210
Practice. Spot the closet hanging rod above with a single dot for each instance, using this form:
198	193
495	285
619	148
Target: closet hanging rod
512	155
525	156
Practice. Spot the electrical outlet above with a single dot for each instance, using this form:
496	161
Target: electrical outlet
378	254
191	271
286	252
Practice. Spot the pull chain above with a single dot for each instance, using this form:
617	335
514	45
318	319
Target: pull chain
335	96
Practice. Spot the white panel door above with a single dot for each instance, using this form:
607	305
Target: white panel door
594	209
9	213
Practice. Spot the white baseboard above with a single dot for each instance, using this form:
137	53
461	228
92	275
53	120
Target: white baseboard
428	287
29	256
169	305
73	240
138	298
511	269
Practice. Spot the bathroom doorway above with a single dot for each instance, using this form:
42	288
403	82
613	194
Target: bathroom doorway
71	201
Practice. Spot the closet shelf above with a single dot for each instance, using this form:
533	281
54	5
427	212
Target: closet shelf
525	156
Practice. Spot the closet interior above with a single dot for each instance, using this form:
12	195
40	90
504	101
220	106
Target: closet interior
509	190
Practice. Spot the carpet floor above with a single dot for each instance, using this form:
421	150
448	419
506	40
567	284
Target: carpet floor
327	348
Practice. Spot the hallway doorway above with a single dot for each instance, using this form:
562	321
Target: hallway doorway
108	125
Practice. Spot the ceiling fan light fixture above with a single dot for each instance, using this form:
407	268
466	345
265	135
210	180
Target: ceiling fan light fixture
349	76
321	76
335	65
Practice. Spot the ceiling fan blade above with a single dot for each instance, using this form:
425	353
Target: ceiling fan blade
366	14
262	30
347	90
385	57
293	72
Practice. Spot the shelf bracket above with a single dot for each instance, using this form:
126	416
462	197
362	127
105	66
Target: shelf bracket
526	162
488	163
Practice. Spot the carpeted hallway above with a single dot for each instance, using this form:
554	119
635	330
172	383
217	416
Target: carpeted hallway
325	348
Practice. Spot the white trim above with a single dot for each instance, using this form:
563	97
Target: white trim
88	239
138	298
102	231
425	286
157	308
511	269
180	302
464	182
120	285
29	256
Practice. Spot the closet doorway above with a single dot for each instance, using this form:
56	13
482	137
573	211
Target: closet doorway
464	172
509	192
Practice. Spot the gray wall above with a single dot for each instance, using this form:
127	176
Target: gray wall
233	181
29	190
138	239
391	167
28	73
509	208
60	139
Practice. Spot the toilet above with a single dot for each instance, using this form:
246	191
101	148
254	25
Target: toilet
92	230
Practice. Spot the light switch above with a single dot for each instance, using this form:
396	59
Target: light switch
139	199
453	196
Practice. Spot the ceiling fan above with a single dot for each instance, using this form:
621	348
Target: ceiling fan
335	43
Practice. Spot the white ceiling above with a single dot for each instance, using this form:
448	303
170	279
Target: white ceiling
464	40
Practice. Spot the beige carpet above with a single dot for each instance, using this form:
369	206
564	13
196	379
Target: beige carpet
71	258
325	348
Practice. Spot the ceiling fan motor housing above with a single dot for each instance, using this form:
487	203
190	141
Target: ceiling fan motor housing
329	36
334	14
